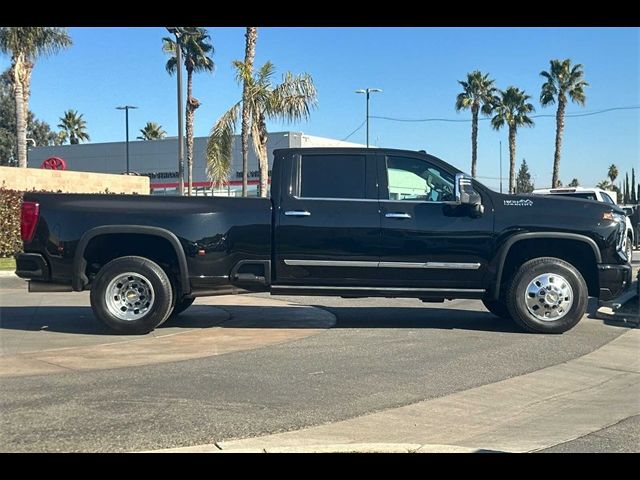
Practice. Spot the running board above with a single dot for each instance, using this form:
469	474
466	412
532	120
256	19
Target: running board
40	287
391	292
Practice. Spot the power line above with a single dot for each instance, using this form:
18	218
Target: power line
359	127
466	120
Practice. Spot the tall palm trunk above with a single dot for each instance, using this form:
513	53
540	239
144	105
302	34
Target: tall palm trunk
21	118
192	104
474	139
263	158
512	159
249	54
559	130
26	87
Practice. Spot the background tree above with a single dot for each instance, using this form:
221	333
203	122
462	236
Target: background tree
37	130
574	183
634	193
289	101
251	36
562	80
152	131
196	50
25	45
523	180
477	93
511	108
627	193
74	127
612	173
604	184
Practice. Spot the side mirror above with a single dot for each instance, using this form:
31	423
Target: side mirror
465	194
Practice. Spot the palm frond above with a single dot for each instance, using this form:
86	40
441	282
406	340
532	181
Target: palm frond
32	42
220	143
293	99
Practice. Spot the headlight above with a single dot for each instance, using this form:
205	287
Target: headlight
622	226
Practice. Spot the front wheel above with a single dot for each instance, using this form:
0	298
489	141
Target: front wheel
131	295
547	295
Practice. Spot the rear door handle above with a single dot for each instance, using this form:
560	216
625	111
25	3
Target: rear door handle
397	215
297	213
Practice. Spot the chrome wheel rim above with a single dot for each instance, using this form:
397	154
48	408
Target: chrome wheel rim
549	297
129	296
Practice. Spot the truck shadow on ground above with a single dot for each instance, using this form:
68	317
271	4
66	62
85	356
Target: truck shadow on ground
80	320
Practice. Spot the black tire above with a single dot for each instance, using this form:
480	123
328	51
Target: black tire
181	305
157	312
527	273
498	308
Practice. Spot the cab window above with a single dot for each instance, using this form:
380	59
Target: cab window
413	179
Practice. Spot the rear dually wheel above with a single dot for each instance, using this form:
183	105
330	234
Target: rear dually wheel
131	295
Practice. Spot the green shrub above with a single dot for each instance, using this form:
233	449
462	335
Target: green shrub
10	204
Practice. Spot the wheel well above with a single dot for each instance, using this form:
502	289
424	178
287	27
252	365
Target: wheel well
577	253
103	248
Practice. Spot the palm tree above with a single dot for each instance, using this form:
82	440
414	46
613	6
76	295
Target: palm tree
152	131
196	48
290	101
477	93
562	80
25	45
251	36
74	128
612	173
511	108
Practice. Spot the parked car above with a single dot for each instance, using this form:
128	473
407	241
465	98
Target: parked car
348	222
599	195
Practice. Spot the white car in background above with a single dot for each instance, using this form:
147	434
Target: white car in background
599	195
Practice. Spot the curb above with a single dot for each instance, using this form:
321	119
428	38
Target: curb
333	448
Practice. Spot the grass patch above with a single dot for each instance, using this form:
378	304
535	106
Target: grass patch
7	263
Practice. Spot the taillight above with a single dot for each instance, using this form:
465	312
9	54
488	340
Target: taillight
28	220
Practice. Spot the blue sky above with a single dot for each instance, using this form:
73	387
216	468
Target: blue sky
417	68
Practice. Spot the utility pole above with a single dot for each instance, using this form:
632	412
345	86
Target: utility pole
177	31
500	166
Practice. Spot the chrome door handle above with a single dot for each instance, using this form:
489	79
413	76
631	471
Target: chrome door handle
397	215
297	213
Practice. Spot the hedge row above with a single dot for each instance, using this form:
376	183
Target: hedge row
10	204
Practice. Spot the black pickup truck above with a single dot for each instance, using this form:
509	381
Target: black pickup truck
346	222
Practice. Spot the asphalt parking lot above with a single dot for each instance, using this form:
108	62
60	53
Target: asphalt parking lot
241	367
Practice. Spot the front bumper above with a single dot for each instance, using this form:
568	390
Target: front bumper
613	280
32	266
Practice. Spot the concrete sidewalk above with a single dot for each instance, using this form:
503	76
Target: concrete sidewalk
521	414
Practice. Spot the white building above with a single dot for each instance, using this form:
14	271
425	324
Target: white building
158	159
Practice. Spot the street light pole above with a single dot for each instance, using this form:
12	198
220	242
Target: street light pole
177	31
368	91
126	122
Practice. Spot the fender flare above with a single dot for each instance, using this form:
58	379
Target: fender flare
506	246
79	278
